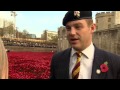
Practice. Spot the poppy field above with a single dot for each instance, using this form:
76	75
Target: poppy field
29	65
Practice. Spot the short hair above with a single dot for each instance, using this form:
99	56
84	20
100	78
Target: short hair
89	22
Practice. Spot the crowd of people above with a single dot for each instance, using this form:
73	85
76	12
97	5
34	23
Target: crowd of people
8	42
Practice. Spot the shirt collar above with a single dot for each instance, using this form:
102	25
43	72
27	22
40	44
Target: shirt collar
73	52
88	52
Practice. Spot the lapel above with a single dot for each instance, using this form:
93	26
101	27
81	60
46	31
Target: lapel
65	63
99	58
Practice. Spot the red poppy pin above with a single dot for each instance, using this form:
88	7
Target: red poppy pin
103	68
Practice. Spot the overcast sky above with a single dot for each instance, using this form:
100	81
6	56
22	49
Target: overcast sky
35	22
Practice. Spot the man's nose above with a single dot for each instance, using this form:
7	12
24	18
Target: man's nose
73	31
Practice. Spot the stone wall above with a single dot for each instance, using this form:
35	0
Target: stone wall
108	40
63	44
62	39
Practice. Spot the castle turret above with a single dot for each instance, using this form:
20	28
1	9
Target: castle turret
104	20
117	17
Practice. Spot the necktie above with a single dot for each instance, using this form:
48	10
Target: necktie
76	69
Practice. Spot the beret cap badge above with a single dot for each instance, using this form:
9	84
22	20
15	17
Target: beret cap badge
77	14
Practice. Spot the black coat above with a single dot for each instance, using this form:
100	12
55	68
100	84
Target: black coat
60	65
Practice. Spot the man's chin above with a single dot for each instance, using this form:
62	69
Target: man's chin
75	47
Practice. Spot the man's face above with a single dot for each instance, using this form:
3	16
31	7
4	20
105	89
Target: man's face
79	34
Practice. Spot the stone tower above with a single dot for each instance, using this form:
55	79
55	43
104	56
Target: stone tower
104	20
107	20
116	17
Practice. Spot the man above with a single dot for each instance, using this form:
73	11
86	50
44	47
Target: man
3	62
92	63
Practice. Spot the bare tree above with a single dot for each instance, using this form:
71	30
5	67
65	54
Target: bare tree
1	32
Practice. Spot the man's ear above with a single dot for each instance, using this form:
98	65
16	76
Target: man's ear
93	28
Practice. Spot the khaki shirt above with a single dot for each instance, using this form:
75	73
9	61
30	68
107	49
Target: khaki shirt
3	62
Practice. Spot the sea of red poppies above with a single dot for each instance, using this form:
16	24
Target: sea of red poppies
29	65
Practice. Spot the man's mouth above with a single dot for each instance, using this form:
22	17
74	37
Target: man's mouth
73	40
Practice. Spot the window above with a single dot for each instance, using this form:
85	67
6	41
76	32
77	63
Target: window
58	32
109	19
96	27
109	25
96	20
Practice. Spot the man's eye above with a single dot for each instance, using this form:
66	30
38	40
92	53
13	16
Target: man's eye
77	27
67	28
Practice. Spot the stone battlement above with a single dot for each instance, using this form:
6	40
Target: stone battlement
104	14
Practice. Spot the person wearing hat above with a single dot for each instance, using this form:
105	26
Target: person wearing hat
83	60
3	61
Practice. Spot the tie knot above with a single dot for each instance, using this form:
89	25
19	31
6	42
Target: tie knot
78	54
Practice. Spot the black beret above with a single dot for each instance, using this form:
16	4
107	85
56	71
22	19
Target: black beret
76	15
